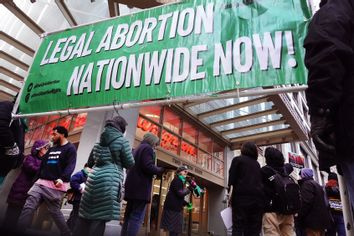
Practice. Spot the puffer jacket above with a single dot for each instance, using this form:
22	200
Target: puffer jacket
26	178
101	198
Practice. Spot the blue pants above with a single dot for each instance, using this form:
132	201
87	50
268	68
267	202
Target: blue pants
337	226
133	217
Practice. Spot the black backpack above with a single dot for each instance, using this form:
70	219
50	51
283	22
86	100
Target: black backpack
287	198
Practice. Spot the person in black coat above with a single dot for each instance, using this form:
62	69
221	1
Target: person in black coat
314	216
247	195
329	59
274	223
172	214
138	184
12	137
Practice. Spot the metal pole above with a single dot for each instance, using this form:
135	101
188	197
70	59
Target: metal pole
347	208
194	98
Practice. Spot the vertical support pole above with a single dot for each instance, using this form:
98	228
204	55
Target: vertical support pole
347	208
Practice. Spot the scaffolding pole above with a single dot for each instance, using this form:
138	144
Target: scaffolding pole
347	208
194	98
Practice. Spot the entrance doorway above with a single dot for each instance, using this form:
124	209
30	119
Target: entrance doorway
194	221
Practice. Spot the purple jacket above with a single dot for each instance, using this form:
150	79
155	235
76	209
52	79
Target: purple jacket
139	178
27	176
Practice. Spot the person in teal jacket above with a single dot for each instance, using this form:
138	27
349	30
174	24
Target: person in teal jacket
100	201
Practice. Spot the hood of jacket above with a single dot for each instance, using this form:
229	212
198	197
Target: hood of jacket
109	134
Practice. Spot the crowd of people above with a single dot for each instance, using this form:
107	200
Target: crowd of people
95	192
265	200
268	200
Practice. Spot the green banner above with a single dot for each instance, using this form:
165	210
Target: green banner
187	48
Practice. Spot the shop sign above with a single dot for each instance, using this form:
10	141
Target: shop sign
296	160
176	50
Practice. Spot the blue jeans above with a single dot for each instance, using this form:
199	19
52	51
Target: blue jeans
133	217
337	226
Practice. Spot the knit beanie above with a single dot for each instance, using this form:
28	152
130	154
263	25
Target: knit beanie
306	172
151	139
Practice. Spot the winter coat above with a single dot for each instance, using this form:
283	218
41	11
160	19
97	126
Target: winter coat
330	61
10	135
101	198
75	181
314	212
269	188
246	179
141	174
26	178
175	196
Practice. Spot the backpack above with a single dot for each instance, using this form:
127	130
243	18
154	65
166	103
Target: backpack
287	198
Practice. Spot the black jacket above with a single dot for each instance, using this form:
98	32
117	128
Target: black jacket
245	177
269	188
138	183
314	212
330	61
175	196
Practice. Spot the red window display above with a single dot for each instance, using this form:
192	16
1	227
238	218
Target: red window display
65	121
28	137
171	121
34	122
169	142
189	151
53	117
190	133
205	142
152	113
37	134
79	121
147	126
49	129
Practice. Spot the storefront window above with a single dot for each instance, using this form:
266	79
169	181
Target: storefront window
145	126
204	160
79	121
34	122
28	137
49	129
190	133
218	167
38	133
218	151
189	152
171	121
152	113
65	122
170	142
205	142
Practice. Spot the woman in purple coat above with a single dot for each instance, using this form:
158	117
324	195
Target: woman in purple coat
18	193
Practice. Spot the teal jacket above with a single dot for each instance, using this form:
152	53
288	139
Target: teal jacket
101	198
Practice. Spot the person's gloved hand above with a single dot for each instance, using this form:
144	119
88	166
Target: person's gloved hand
322	132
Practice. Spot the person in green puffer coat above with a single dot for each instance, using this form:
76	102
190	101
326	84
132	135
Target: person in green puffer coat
100	201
